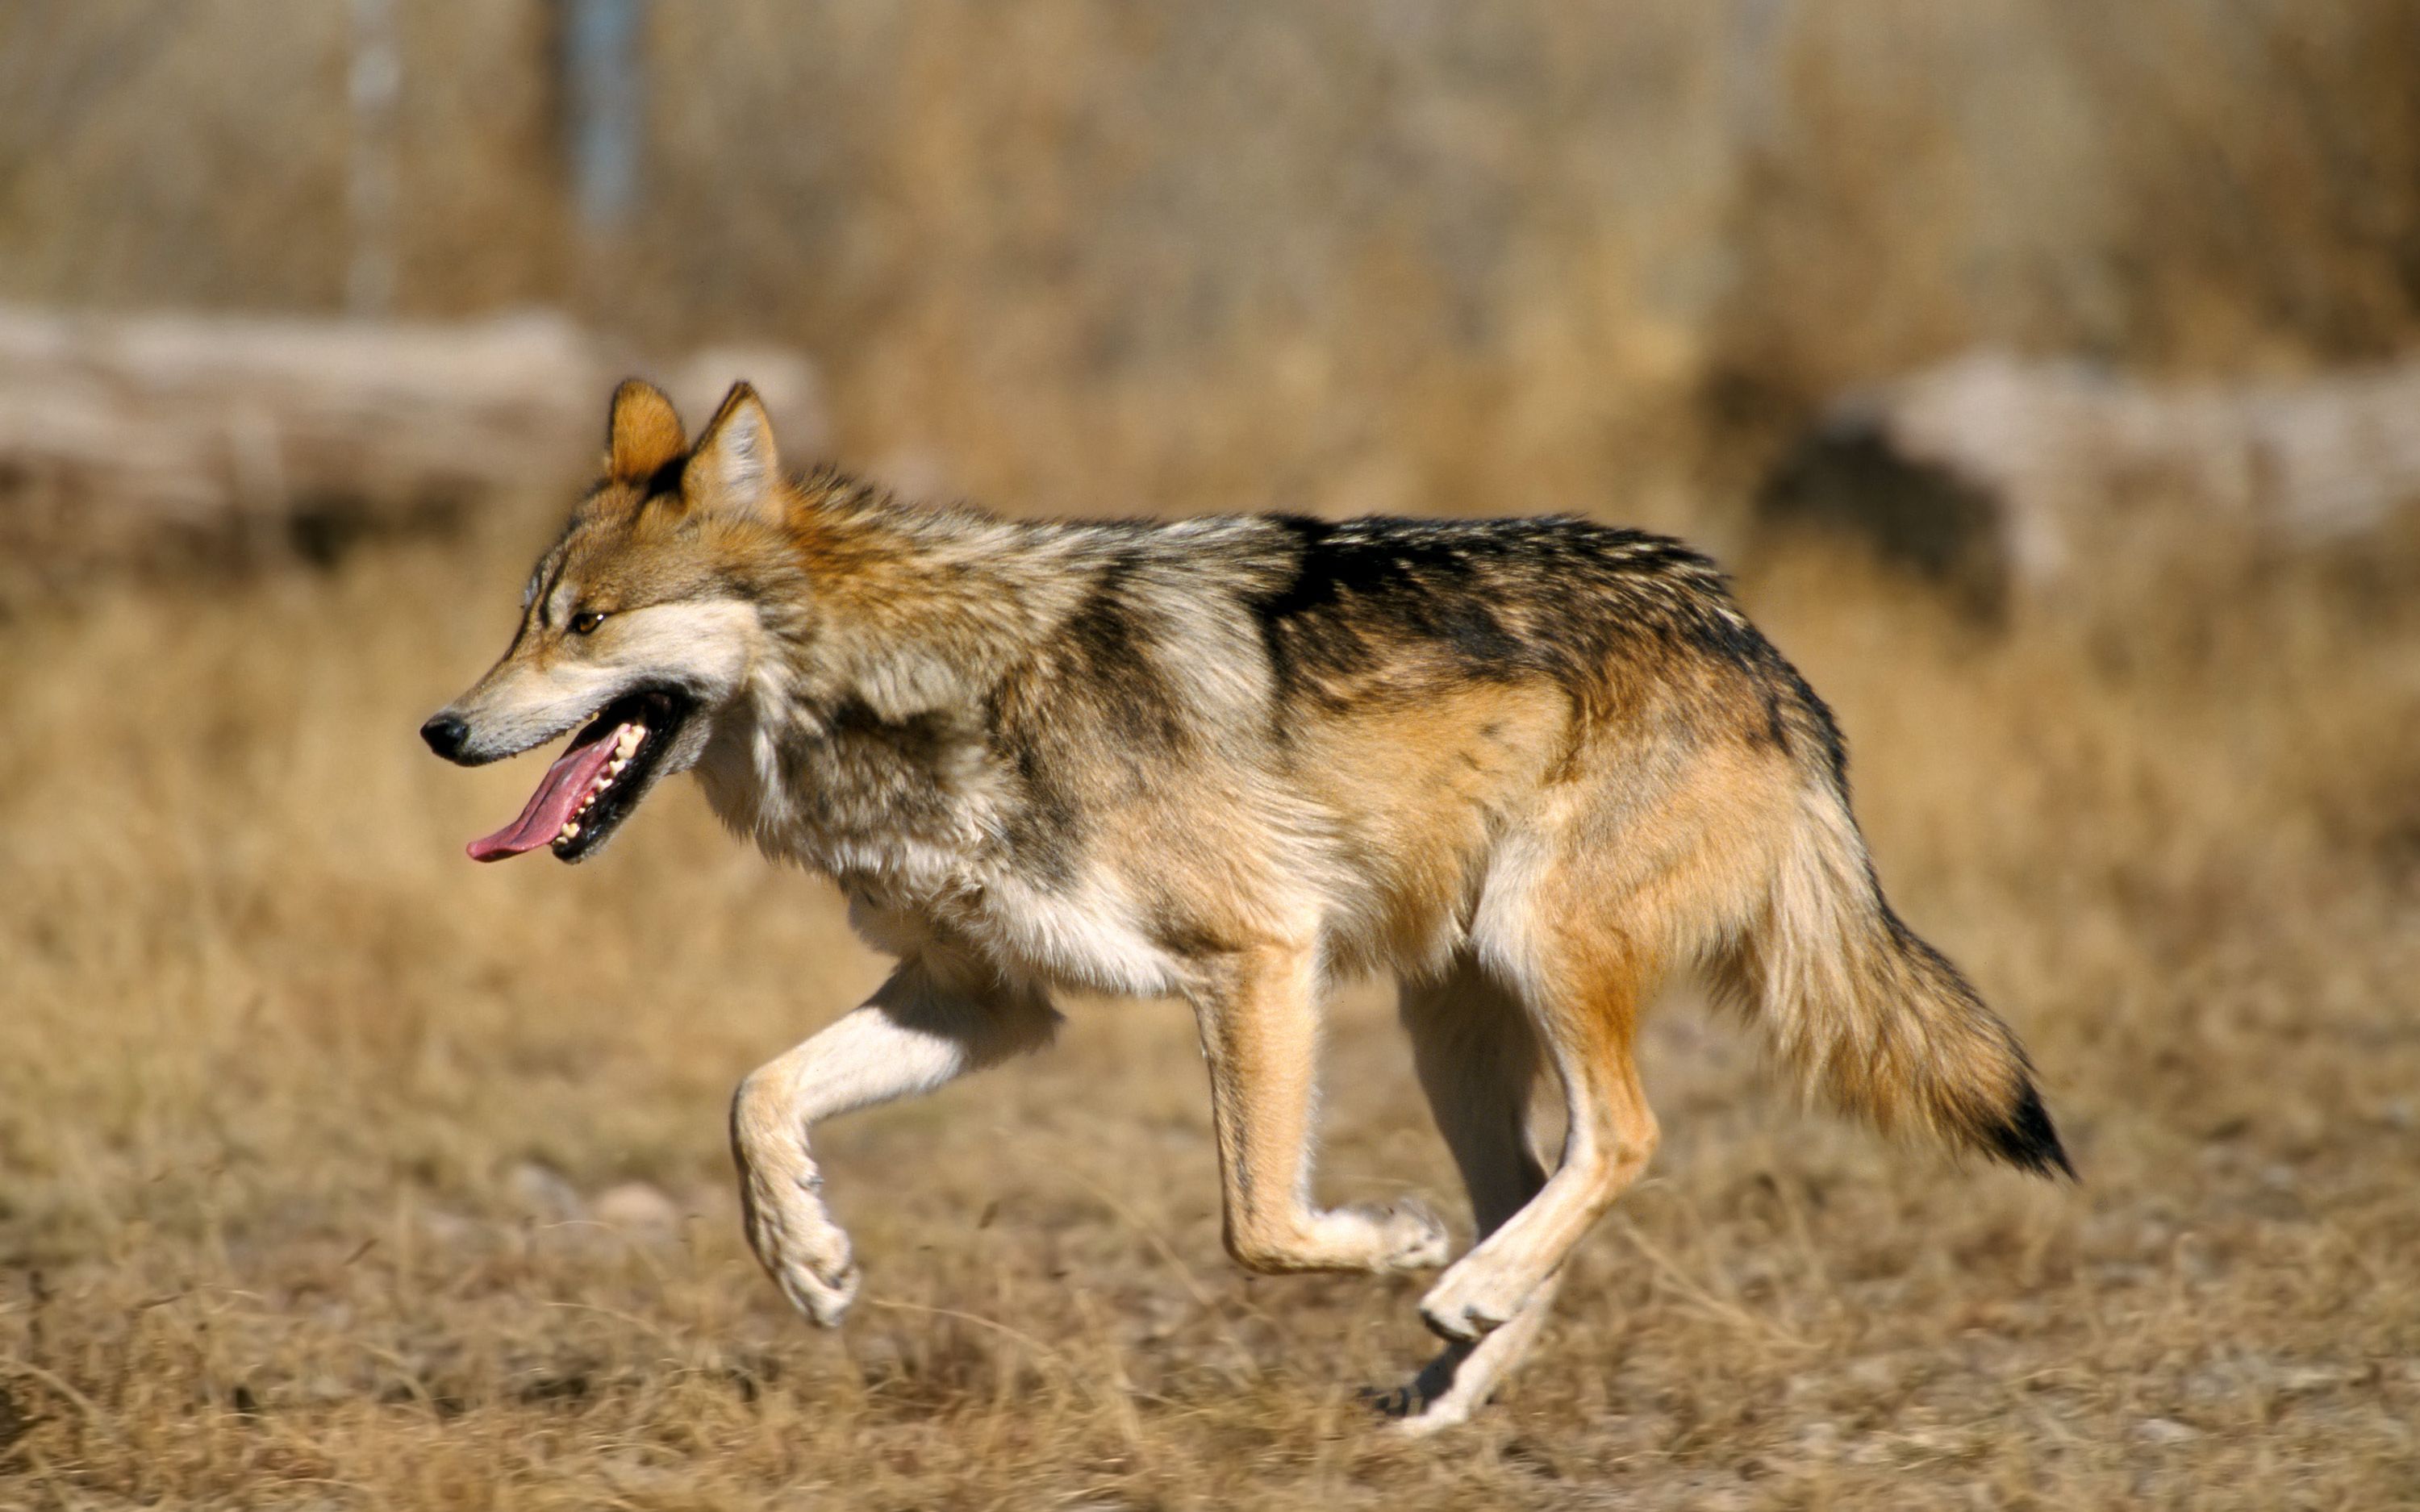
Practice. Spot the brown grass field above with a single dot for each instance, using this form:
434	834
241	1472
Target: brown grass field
337	1172
317	1143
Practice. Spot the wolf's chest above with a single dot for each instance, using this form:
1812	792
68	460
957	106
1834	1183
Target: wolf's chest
928	838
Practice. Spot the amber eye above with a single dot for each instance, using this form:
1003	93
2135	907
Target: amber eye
586	621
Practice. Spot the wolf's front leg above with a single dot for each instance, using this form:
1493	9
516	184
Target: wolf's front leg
934	1020
1258	1012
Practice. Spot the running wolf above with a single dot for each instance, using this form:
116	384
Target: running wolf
1529	766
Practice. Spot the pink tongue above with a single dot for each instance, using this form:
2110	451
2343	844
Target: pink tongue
558	793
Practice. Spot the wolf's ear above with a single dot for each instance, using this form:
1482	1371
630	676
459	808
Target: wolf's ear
735	467
642	433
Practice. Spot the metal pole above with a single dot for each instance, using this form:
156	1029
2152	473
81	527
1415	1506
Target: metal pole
374	85
600	47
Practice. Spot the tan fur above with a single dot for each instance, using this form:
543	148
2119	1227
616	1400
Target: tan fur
642	433
1530	767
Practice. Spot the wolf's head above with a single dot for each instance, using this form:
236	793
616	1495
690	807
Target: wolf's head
639	629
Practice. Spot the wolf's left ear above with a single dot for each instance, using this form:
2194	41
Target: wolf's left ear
735	467
643	434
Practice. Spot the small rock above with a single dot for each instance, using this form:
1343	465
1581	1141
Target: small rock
2295	1380
636	1208
449	1231
1820	1440
542	1193
1875	1373
325	1390
2165	1430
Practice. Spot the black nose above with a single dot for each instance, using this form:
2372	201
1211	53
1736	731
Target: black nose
446	735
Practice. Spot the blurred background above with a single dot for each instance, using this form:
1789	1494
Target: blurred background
1387	255
2048	369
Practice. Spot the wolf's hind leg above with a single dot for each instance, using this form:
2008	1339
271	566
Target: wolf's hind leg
1260	1031
1478	1060
1582	985
927	1025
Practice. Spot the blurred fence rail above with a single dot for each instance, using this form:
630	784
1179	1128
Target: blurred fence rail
174	437
2017	478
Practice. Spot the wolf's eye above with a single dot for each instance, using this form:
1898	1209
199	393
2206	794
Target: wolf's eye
586	621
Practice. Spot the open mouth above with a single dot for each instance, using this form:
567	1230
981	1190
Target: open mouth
600	778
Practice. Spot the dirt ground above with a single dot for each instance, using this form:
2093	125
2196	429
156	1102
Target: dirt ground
336	1171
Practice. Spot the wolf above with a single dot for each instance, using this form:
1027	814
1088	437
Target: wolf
1530	768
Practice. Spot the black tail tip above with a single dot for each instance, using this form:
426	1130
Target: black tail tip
2026	1140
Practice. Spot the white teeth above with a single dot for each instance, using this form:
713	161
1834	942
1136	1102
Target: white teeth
626	744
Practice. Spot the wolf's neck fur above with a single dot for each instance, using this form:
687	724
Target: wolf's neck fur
859	750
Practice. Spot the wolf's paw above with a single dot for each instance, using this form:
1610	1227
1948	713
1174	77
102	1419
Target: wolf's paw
822	1294
1420	1406
1410	1236
1471	1300
806	1253
1437	1397
811	1265
1394	1405
1411	1416
1399	1236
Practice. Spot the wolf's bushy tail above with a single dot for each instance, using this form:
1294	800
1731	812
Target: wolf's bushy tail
1871	1016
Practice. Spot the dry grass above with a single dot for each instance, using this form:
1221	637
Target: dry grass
308	1127
303	1119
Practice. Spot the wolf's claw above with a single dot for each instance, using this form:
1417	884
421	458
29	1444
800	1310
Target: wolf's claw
1401	1235
1417	1240
1467	1304
1420	1417
1428	1401
805	1251
822	1297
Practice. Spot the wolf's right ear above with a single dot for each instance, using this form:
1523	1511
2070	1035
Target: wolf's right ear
735	469
643	434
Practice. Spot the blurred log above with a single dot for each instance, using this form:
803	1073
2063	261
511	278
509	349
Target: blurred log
166	439
2009	479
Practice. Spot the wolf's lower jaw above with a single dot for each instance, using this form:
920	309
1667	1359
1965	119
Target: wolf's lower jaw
627	740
